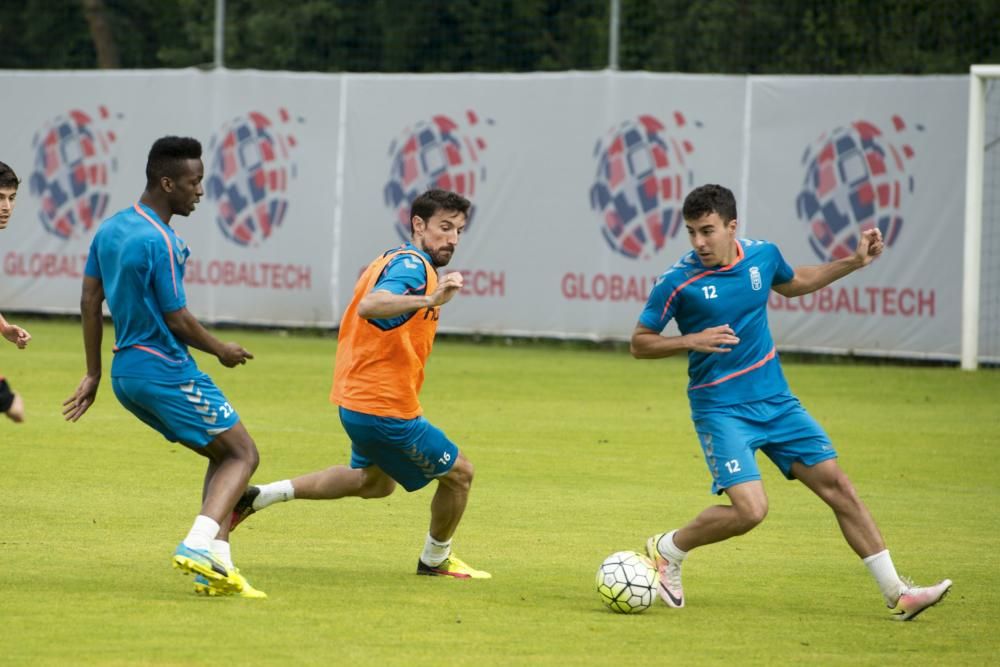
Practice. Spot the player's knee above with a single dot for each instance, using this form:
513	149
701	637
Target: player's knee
840	493
378	488
460	476
245	450
466	472
751	514
375	486
253	456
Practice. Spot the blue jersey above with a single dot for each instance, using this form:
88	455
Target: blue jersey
404	275
699	297
140	262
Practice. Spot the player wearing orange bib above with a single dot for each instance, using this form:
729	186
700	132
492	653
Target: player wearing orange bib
382	374
385	337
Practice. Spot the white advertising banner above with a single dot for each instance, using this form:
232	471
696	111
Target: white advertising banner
832	156
576	181
261	238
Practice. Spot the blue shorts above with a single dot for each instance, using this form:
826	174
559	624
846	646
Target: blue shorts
411	451
778	426
192	412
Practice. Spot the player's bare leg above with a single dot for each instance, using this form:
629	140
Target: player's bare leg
450	499
828	481
205	551
233	459
447	507
720	522
342	481
714	524
221	549
329	484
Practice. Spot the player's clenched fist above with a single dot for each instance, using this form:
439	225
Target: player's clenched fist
447	287
870	246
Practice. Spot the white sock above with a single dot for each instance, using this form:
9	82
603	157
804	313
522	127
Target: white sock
668	549
435	552
881	567
221	549
275	492
202	533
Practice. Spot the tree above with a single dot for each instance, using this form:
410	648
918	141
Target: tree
100	32
701	36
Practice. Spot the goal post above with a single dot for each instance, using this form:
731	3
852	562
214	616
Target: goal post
979	77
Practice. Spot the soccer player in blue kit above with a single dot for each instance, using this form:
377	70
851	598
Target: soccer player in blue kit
11	403
740	401
136	262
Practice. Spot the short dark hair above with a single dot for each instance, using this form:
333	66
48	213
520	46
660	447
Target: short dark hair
707	199
166	155
432	201
8	179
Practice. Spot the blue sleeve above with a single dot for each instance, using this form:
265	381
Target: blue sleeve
405	274
168	276
783	271
658	312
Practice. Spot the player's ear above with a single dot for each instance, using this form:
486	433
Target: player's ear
166	184
418	224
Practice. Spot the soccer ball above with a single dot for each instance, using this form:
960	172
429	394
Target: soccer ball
627	581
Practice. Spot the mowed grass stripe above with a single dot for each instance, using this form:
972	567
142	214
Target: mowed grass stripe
578	452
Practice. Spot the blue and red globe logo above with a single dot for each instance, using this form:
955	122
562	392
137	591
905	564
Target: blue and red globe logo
73	161
250	166
642	178
440	153
855	180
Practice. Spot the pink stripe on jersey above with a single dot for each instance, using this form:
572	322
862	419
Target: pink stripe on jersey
159	354
739	256
677	289
166	239
768	357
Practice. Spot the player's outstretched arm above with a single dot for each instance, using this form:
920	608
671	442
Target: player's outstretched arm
189	330
14	333
811	278
381	304
648	344
91	303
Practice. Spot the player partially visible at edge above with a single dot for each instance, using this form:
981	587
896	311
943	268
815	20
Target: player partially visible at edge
11	403
740	401
136	262
385	339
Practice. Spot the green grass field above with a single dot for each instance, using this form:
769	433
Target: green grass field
578	452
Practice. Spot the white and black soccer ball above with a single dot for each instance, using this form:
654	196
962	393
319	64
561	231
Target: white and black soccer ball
627	582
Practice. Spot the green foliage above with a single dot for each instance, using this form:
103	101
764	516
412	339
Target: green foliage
44	34
705	36
578	453
809	36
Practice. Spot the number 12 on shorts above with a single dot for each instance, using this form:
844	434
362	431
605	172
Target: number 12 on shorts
733	465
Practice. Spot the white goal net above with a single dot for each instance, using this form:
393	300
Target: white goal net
981	282
989	298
